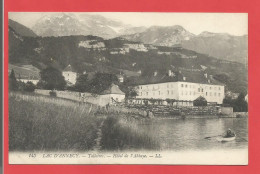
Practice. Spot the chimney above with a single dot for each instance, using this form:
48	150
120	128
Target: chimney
184	78
155	73
206	75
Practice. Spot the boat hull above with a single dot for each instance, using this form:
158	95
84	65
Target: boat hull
223	139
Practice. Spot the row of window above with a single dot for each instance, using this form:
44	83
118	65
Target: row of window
206	87
184	86
182	93
207	93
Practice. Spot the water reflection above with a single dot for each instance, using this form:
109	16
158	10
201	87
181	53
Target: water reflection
189	134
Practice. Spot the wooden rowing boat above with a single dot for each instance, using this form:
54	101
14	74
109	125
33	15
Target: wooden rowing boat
225	139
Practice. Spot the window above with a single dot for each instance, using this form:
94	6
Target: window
218	88
198	89
159	92
167	85
172	92
141	93
147	93
181	85
201	90
206	93
185	86
141	87
210	88
168	92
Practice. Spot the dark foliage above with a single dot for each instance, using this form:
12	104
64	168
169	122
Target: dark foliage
13	84
239	104
101	82
53	93
200	101
51	78
29	87
82	83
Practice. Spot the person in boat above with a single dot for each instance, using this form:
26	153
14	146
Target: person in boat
229	134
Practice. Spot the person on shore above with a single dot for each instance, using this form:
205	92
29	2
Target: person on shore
229	133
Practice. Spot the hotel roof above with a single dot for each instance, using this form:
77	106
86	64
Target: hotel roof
178	76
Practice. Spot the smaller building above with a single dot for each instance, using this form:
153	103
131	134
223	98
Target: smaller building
70	75
113	95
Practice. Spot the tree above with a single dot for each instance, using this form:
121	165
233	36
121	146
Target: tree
200	101
240	105
130	92
101	82
29	87
13	84
52	78
82	83
227	101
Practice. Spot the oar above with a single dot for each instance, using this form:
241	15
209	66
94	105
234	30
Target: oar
212	136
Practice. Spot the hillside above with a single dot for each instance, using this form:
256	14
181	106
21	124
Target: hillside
133	59
219	45
21	29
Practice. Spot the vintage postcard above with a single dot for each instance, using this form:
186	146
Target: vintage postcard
128	88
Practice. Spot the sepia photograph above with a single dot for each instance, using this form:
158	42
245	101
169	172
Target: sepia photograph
128	88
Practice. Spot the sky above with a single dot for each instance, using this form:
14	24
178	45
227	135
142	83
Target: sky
232	23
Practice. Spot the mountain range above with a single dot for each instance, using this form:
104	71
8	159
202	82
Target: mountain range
220	45
65	24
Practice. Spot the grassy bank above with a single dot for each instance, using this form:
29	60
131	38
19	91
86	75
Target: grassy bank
49	124
44	123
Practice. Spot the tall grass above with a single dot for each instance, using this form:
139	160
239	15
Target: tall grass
44	123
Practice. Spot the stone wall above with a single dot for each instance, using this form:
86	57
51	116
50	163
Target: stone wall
101	100
164	110
226	111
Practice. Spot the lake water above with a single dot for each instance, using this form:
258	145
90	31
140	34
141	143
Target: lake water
189	134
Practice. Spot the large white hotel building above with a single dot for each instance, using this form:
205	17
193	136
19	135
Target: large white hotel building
182	91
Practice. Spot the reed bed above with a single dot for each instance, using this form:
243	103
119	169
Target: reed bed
122	133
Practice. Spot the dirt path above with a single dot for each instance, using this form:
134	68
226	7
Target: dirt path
97	146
